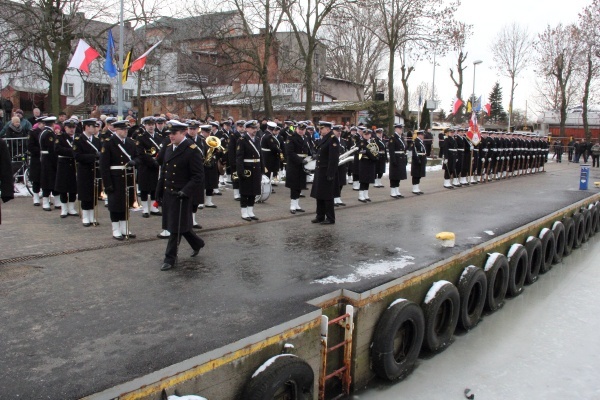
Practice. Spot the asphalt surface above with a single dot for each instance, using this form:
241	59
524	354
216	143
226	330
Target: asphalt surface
79	323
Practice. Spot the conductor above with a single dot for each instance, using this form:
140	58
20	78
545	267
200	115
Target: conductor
181	175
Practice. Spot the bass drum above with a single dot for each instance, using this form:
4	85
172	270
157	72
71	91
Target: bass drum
265	189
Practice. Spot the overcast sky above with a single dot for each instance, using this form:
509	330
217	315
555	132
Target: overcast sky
487	18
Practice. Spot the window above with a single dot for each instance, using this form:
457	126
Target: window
69	89
127	94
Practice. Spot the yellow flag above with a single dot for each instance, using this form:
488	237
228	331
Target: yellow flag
469	106
126	66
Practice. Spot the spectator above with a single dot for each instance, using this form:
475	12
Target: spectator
6	176
558	150
587	151
596	154
428	141
577	150
36	115
571	148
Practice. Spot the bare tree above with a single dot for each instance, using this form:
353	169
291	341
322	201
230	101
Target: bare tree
589	26
558	57
457	38
511	50
406	21
408	60
307	17
353	53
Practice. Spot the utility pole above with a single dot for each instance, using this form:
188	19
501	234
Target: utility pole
120	69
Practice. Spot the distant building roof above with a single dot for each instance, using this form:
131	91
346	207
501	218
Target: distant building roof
197	27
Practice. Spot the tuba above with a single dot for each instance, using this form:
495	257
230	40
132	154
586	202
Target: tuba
346	157
215	144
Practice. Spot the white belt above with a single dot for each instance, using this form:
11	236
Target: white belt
400	152
302	155
251	160
118	167
382	152
45	152
64	157
421	154
452	149
494	149
266	149
461	149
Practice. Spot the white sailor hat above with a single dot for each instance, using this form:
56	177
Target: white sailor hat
49	119
271	124
325	124
205	128
176	126
251	124
214	123
121	124
111	120
240	122
85	122
148	120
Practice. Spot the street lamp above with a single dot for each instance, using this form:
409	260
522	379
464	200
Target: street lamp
475	64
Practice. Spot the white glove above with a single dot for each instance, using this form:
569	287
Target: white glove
445	161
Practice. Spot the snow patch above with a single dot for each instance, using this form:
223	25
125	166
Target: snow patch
370	270
491	261
530	238
396	302
435	288
491	233
513	250
267	363
466	271
543	232
21	190
186	397
557	223
474	237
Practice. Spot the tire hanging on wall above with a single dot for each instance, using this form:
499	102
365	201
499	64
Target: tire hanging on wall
597	207
569	235
594	212
587	223
397	340
472	289
496	271
518	264
560	238
282	375
441	309
533	246
548	250
579	230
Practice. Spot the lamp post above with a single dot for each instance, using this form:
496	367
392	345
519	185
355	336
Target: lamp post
475	64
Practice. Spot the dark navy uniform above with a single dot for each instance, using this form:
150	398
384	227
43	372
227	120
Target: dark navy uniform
450	155
269	146
87	155
66	180
148	147
35	165
248	162
297	150
382	160
398	162
48	160
323	188
231	158
419	163
181	176
367	166
113	165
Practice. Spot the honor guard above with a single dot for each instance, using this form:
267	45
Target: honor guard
368	154
343	168
117	162
35	166
48	161
325	181
231	156
148	144
270	151
215	130
197	197
66	176
398	161
449	156
211	151
419	162
249	169
460	151
225	137
86	150
297	151
355	138
382	159
180	177
281	143
160	129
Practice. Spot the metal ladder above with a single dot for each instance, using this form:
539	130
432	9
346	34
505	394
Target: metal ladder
345	321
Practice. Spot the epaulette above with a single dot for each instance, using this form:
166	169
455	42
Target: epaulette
193	146
242	137
107	140
76	137
170	144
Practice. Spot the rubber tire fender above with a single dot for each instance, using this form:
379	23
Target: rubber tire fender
518	263
579	230
404	317
496	271
587	223
548	249
472	289
569	235
441	309
594	212
560	238
286	369
597	207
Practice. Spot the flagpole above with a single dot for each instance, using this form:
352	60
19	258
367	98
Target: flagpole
119	77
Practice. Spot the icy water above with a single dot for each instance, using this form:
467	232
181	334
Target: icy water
544	344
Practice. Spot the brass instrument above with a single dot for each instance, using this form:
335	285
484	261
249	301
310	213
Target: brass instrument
135	203
373	148
152	151
96	189
215	144
247	174
345	158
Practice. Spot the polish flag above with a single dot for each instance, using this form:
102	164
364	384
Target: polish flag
84	55
140	62
488	109
456	106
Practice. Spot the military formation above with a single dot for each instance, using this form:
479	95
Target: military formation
175	168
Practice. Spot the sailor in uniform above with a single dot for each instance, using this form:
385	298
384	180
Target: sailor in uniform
48	160
368	158
326	174
419	163
297	151
66	176
231	156
398	161
382	159
86	150
148	146
249	169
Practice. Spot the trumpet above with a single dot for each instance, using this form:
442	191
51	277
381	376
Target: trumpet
247	174
215	144
345	158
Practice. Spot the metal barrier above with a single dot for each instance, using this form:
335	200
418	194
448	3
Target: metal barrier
346	322
17	147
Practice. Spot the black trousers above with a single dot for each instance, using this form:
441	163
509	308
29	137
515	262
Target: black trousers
394	183
35	187
247	201
416	180
118	216
47	192
364	186
87	205
171	253
295	194
325	209
144	195
68	197
595	161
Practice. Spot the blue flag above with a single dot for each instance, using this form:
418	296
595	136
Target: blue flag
109	64
477	106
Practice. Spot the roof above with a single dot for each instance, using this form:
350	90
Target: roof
197	27
333	106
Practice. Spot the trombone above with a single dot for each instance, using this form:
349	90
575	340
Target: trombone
127	189
96	191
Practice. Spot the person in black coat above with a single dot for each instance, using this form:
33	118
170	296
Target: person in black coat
382	159
86	150
460	151
419	163
117	162
35	165
368	153
342	169
148	146
449	158
398	161
270	151
355	138
66	177
181	175
231	156
48	159
325	181
249	169
7	188
211	171
297	151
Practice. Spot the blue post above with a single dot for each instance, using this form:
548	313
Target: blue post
584	176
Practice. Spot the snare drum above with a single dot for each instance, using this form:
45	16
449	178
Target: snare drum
265	189
310	166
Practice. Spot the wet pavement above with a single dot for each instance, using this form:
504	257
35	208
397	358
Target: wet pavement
79	323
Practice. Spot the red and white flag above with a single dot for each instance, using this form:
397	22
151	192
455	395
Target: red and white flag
488	108
456	106
84	55
140	62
